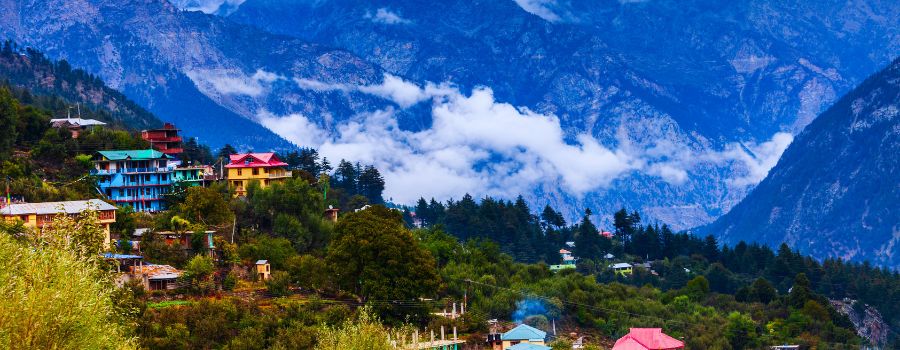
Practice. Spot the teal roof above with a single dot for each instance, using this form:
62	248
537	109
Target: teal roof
526	346
524	332
138	154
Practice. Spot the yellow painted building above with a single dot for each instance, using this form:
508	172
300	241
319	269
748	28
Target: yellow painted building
37	215
264	168
624	269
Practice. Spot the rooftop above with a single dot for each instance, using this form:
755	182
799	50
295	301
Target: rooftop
647	339
78	121
527	346
70	207
246	160
121	256
621	266
262	262
141	154
160	272
524	332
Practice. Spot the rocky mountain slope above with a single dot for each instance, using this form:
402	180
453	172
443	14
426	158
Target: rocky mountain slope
638	104
834	192
199	71
29	69
698	98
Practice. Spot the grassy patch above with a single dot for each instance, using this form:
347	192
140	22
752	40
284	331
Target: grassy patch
165	304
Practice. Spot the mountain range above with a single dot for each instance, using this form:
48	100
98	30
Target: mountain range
834	192
676	108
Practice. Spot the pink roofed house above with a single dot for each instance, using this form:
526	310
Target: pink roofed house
647	339
264	168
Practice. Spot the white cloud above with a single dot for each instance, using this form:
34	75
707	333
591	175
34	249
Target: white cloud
757	159
232	82
405	94
540	8
479	145
302	130
385	16
219	7
398	90
476	144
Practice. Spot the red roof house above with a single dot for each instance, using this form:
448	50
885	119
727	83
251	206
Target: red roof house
254	160
647	339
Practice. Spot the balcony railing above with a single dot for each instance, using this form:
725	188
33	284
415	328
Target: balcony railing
163	139
130	171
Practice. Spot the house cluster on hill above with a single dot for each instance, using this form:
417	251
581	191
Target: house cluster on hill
141	179
569	260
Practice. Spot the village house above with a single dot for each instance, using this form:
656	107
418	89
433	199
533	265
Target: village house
568	261
624	269
139	178
165	140
183	240
159	277
193	175
75	125
331	214
37	215
522	334
150	276
647	339
263	270
265	168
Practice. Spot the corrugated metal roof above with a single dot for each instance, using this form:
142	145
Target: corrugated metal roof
527	346
70	207
649	338
121	256
160	272
78	121
262	262
135	154
621	266
524	332
268	159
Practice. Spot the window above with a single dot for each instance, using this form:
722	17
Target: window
239	172
255	171
24	218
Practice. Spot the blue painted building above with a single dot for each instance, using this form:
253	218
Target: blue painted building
139	178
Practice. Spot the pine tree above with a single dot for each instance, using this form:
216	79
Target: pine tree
226	151
371	185
588	243
346	177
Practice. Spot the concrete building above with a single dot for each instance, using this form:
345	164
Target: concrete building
265	168
139	178
165	140
193	175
